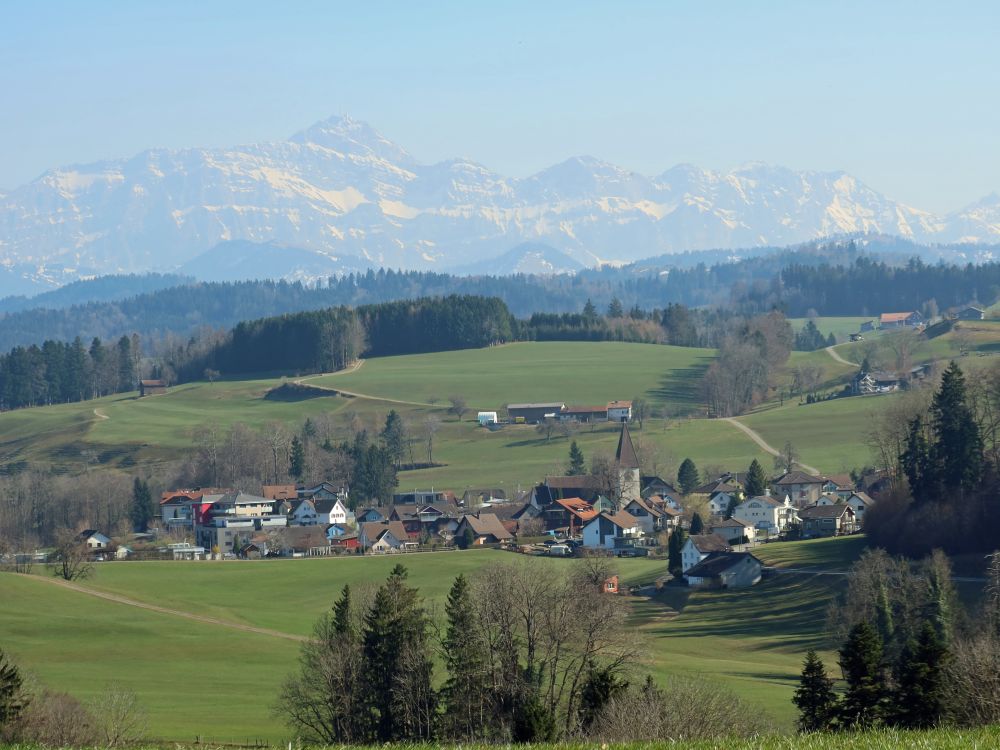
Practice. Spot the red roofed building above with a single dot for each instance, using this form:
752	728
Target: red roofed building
571	514
900	320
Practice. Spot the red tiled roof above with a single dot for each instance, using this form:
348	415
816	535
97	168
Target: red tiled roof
894	317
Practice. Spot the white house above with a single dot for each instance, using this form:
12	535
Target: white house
725	570
611	530
94	539
733	530
302	513
332	510
650	518
766	514
718	502
698	547
860	503
384	536
619	411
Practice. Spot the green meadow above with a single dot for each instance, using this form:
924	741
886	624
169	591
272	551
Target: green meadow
218	682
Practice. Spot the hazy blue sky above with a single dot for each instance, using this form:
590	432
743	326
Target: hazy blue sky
903	95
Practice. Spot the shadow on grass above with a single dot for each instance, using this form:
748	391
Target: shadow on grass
790	613
683	385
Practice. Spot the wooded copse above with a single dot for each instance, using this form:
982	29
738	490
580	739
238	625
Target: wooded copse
528	657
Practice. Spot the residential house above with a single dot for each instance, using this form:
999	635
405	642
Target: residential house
619	411
699	546
385	536
185	508
279	491
185	551
347	542
860	503
323	491
299	512
733	530
841	485
827	520
534	413
719	502
331	510
725	570
769	516
94	539
803	489
305	540
476	498
372	515
889	321
422	521
151	387
654	485
650	518
613	531
336	530
486	529
610	585
971	313
571	514
865	383
424	497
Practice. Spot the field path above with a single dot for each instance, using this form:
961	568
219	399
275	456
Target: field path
167	611
100	415
347	371
763	443
832	351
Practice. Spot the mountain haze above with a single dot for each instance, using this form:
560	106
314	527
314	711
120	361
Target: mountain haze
340	189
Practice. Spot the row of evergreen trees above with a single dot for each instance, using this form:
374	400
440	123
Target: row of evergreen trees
57	372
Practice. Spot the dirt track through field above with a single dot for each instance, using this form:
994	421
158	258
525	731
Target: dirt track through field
831	350
354	368
764	445
100	415
167	611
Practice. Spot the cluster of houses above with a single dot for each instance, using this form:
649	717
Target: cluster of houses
623	514
613	411
913	320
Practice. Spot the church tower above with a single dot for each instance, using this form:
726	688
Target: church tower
629	483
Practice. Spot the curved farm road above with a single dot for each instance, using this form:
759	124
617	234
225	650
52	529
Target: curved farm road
832	351
763	443
166	611
100	415
354	368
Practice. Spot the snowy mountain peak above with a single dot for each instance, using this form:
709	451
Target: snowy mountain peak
347	135
341	190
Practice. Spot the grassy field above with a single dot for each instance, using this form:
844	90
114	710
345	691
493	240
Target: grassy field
830	435
840	327
570	372
183	671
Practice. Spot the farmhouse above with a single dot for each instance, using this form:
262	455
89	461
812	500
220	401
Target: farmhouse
725	570
827	520
971	313
733	530
900	320
151	387
534	413
699	546
585	413
875	382
486	529
619	411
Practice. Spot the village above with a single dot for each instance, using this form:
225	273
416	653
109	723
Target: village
626	514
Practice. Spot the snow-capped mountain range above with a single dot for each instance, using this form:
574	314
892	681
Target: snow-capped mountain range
341	190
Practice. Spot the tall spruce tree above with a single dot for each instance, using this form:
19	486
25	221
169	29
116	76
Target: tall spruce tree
674	546
919	698
142	510
687	476
814	697
394	437
697	525
863	704
577	464
464	695
12	696
756	480
398	673
297	458
958	445
917	464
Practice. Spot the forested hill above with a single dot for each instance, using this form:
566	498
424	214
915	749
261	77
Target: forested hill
832	279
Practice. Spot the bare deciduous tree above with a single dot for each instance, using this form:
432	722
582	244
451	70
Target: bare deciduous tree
71	558
120	720
458	406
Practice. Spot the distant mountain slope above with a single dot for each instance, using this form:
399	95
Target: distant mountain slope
241	260
102	289
341	189
528	257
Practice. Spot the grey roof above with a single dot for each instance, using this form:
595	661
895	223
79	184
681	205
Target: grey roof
718	563
730	523
709	543
553	405
487	524
825	511
799	477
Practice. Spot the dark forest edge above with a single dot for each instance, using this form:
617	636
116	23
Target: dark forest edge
825	278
